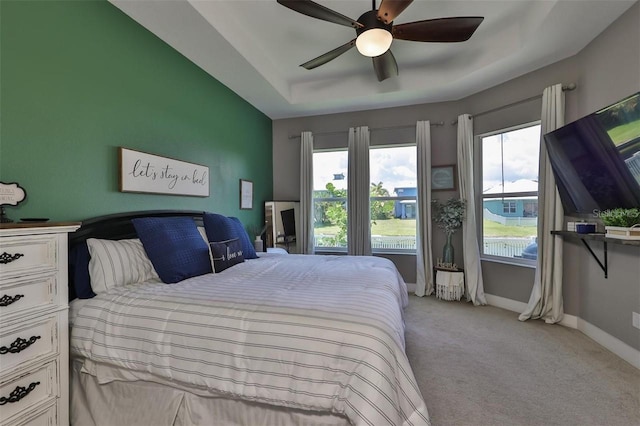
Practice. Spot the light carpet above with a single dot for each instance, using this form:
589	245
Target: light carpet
481	366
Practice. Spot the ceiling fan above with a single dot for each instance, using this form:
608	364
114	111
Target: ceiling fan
375	31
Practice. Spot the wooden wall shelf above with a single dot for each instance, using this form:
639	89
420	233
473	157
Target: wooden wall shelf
585	238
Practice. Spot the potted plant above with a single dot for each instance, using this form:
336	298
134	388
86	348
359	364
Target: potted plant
448	216
622	223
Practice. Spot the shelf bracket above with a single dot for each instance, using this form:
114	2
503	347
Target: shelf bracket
603	264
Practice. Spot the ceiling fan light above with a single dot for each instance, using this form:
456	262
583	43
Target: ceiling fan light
374	42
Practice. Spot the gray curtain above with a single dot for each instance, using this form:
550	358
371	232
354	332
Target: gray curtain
305	238
546	297
358	213
424	253
472	264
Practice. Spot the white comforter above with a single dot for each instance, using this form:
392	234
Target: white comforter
322	333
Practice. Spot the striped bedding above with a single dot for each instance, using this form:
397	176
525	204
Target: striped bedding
319	333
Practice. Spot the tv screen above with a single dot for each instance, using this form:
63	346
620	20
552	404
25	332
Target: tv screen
288	222
596	159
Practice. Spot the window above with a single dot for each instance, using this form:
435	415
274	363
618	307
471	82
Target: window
330	200
510	193
393	188
509	207
393	177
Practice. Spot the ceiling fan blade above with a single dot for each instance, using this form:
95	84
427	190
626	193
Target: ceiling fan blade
315	10
329	56
390	9
441	30
385	65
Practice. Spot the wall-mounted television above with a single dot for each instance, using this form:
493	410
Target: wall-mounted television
596	159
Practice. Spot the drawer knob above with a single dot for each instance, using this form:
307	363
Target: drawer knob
18	345
18	393
6	300
8	258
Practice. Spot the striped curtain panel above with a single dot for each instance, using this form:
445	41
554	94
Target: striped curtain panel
546	301
358	213
306	193
471	248
424	253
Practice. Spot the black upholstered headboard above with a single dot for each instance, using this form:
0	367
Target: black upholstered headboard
118	226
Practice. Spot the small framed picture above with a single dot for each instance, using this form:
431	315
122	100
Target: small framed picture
246	194
444	178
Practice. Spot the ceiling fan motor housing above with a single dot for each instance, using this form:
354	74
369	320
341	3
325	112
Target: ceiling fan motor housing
370	20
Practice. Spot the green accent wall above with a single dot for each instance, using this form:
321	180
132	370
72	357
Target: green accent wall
78	79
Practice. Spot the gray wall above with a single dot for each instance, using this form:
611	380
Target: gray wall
605	71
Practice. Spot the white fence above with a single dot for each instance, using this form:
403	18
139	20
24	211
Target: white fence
377	242
506	247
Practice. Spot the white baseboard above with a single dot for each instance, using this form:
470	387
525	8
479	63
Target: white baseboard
615	345
504	303
411	288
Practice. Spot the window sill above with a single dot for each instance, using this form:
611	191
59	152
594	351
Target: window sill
395	252
513	262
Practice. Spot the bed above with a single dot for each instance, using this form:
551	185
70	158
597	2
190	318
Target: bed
277	339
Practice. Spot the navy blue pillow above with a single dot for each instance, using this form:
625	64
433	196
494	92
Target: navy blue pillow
247	245
79	271
174	246
219	227
226	254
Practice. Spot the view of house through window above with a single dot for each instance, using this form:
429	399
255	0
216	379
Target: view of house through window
510	192
393	188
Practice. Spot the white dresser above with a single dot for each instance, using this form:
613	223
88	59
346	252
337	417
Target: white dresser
34	334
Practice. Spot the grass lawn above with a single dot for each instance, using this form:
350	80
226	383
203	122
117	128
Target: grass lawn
394	227
495	229
391	227
624	133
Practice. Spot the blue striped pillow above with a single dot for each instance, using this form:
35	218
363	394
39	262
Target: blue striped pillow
174	246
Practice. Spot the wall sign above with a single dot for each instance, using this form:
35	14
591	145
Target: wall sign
143	172
443	178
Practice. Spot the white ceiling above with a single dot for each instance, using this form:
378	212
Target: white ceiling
255	48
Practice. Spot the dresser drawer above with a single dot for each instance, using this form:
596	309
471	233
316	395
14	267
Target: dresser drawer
40	417
26	294
28	341
24	392
27	255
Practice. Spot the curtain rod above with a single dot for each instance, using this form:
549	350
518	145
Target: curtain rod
568	87
337	132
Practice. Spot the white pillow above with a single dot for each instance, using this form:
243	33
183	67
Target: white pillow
203	233
118	263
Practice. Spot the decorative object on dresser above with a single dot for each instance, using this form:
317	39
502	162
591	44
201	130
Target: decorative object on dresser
11	194
34	335
449	216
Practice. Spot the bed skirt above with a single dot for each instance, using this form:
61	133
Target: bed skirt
147	403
